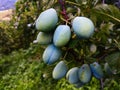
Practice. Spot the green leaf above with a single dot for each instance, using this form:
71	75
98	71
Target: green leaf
73	43
107	12
114	60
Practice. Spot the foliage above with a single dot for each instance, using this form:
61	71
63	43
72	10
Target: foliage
25	70
20	31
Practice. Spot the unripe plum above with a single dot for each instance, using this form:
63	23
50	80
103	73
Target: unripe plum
83	27
97	70
62	35
107	69
51	54
44	38
47	20
60	70
79	84
72	75
85	73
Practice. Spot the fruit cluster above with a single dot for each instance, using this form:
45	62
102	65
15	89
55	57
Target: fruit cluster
56	37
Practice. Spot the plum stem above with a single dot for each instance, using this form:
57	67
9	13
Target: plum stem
102	57
101	84
64	13
65	55
72	3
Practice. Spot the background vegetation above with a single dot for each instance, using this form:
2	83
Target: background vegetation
21	65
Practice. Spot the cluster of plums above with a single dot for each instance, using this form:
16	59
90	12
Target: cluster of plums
78	76
57	36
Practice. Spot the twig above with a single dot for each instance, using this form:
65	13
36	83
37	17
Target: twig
64	13
73	3
101	84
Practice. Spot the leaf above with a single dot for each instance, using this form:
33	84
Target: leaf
73	43
107	12
114	60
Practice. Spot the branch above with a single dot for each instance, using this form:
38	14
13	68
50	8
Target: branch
62	3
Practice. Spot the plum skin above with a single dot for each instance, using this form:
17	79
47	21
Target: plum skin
85	73
97	70
47	20
107	69
72	75
83	27
60	70
62	35
44	38
51	54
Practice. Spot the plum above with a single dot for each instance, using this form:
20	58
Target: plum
107	69
79	84
51	54
97	70
62	35
60	70
83	27
44	38
85	73
47	20
72	75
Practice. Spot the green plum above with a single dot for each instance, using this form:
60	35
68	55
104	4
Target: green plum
62	35
51	54
44	38
107	69
79	84
72	75
85	73
83	27
47	20
60	70
97	70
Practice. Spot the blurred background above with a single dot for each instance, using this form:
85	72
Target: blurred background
6	9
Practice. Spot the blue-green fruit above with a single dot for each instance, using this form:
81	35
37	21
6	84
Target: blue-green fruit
47	20
97	70
83	27
79	84
85	73
108	70
72	75
51	54
62	35
60	70
44	38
